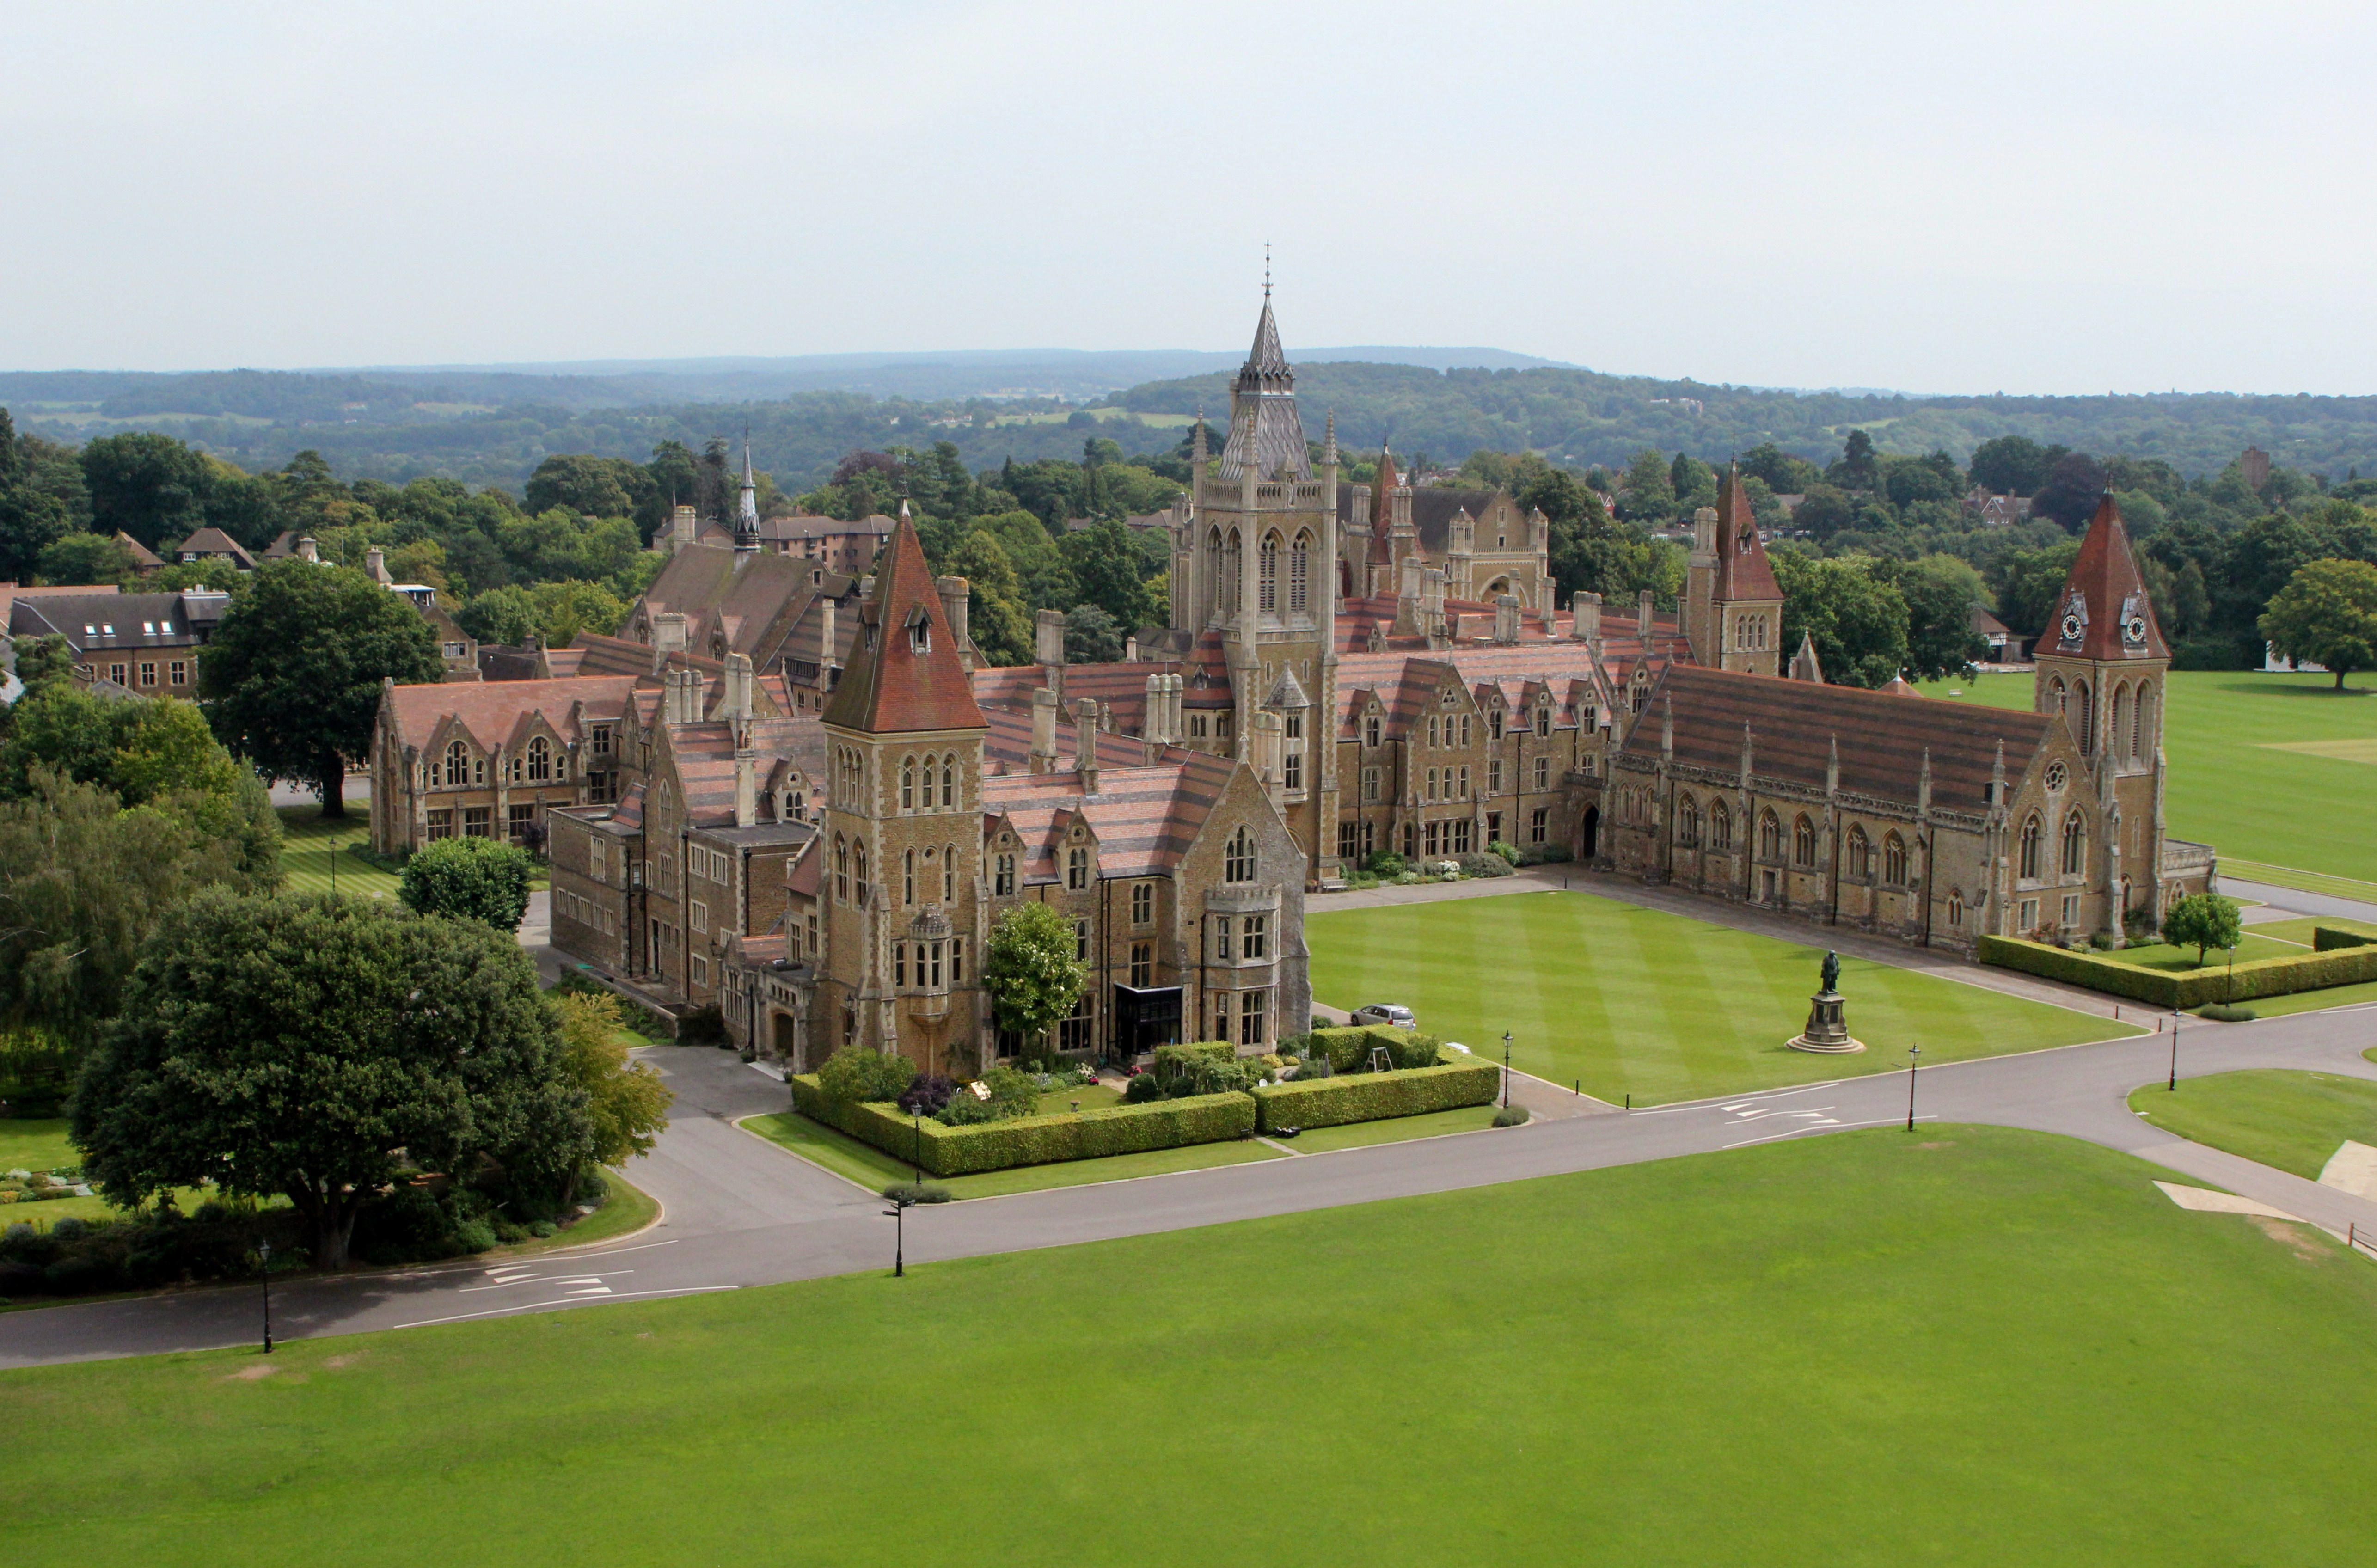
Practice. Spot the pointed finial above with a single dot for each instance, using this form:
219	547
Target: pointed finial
1266	268
1329	447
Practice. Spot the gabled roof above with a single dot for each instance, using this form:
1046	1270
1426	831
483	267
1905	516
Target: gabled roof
492	712
891	685
143	557
1144	818
2109	594
213	540
1795	725
1743	571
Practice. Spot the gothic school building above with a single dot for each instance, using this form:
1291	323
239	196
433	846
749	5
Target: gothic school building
793	795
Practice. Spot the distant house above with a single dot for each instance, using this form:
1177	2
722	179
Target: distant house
457	648
145	644
144	559
1996	511
2005	648
211	544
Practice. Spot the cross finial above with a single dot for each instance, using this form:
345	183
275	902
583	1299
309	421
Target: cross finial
1266	268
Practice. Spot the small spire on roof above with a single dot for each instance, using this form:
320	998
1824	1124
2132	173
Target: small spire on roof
1329	447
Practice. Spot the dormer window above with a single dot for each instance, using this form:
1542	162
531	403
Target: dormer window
920	638
107	631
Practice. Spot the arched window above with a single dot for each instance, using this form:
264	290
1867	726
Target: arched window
1077	869
2121	720
2085	718
1688	822
840	870
1857	858
1543	721
2139	728
858	867
1238	858
2031	833
1229	595
2075	844
1955	910
1770	837
907	875
458	765
539	759
908	784
950	782
948	873
1267	575
1893	860
1803	842
1299	575
1720	825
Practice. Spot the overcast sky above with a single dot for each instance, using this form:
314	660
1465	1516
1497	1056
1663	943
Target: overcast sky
2051	197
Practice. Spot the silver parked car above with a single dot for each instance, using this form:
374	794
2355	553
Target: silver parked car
1385	1013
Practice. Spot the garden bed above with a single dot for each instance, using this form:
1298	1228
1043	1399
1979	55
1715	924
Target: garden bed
2192	989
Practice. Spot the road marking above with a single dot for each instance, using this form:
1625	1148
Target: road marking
1742	1100
1825	1126
544	1279
564	1301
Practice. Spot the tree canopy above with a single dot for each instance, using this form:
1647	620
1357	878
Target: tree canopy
319	1048
292	678
1029	970
469	878
2326	614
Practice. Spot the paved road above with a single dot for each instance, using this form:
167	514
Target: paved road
740	1212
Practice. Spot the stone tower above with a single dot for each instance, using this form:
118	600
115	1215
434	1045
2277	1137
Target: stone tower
1260	545
1733	610
2101	666
903	832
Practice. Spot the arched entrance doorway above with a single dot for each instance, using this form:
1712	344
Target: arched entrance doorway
1588	833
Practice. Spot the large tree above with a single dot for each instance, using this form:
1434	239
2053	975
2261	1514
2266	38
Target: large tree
469	878
83	880
292	678
318	1048
1030	972
1941	594
1856	620
151	486
626	1100
2326	615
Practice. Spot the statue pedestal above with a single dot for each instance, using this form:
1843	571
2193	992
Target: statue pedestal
1826	1032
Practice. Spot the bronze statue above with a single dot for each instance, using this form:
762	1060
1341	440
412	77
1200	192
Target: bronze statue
1832	971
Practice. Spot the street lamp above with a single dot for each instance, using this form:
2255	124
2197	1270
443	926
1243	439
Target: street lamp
264	1269
1912	1052
1506	1070
2174	1016
900	1237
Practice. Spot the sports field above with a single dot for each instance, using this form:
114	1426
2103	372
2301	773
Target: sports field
1637	1001
1974	1345
2273	768
2289	1120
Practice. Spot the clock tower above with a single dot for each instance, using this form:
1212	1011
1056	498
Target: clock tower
2102	664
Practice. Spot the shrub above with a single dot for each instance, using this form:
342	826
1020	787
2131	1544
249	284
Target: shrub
2202	921
860	1076
543	1228
469	878
2190	989
1372	1097
1544	854
1511	1116
1508	851
2221	1012
1142	1090
1032	1140
1348	1050
905	1192
702	1026
1384	862
925	1094
475	1236
1483	866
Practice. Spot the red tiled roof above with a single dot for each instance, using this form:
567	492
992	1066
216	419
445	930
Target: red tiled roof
2105	579
493	710
1145	817
891	685
1743	571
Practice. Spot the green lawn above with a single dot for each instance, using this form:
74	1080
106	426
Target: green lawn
874	1169
1393	1129
2292	1120
31	1145
1640	1002
1978	1346
2234	785
311	848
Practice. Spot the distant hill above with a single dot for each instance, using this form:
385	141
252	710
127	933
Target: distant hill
493	424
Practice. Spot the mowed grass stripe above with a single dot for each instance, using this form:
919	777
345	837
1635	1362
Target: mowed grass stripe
1626	1000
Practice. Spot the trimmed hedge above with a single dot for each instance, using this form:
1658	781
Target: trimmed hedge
1348	1046
1031	1139
1170	1058
2185	989
1372	1096
2327	939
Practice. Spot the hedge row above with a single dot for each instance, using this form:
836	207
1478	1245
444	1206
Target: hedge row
1170	1058
1372	1097
1031	1139
2327	939
1349	1046
2184	989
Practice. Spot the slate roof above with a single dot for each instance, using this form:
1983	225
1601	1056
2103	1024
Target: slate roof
98	619
1264	420
1793	726
213	540
1145	817
888	686
2105	576
493	712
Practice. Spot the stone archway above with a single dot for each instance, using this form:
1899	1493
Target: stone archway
1588	833
784	1040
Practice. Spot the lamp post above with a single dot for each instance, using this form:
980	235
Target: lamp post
2174	1016
899	1238
1912	1053
1506	1070
264	1270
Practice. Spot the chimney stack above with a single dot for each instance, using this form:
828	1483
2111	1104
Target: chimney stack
1048	638
376	564
828	641
739	689
308	550
1044	732
953	591
684	523
1506	620
1086	744
1644	616
746	787
1588	616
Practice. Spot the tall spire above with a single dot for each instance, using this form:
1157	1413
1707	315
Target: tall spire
746	505
1266	434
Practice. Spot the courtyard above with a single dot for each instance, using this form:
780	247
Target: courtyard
1630	1001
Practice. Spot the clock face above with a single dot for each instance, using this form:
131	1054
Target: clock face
2071	629
2134	630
